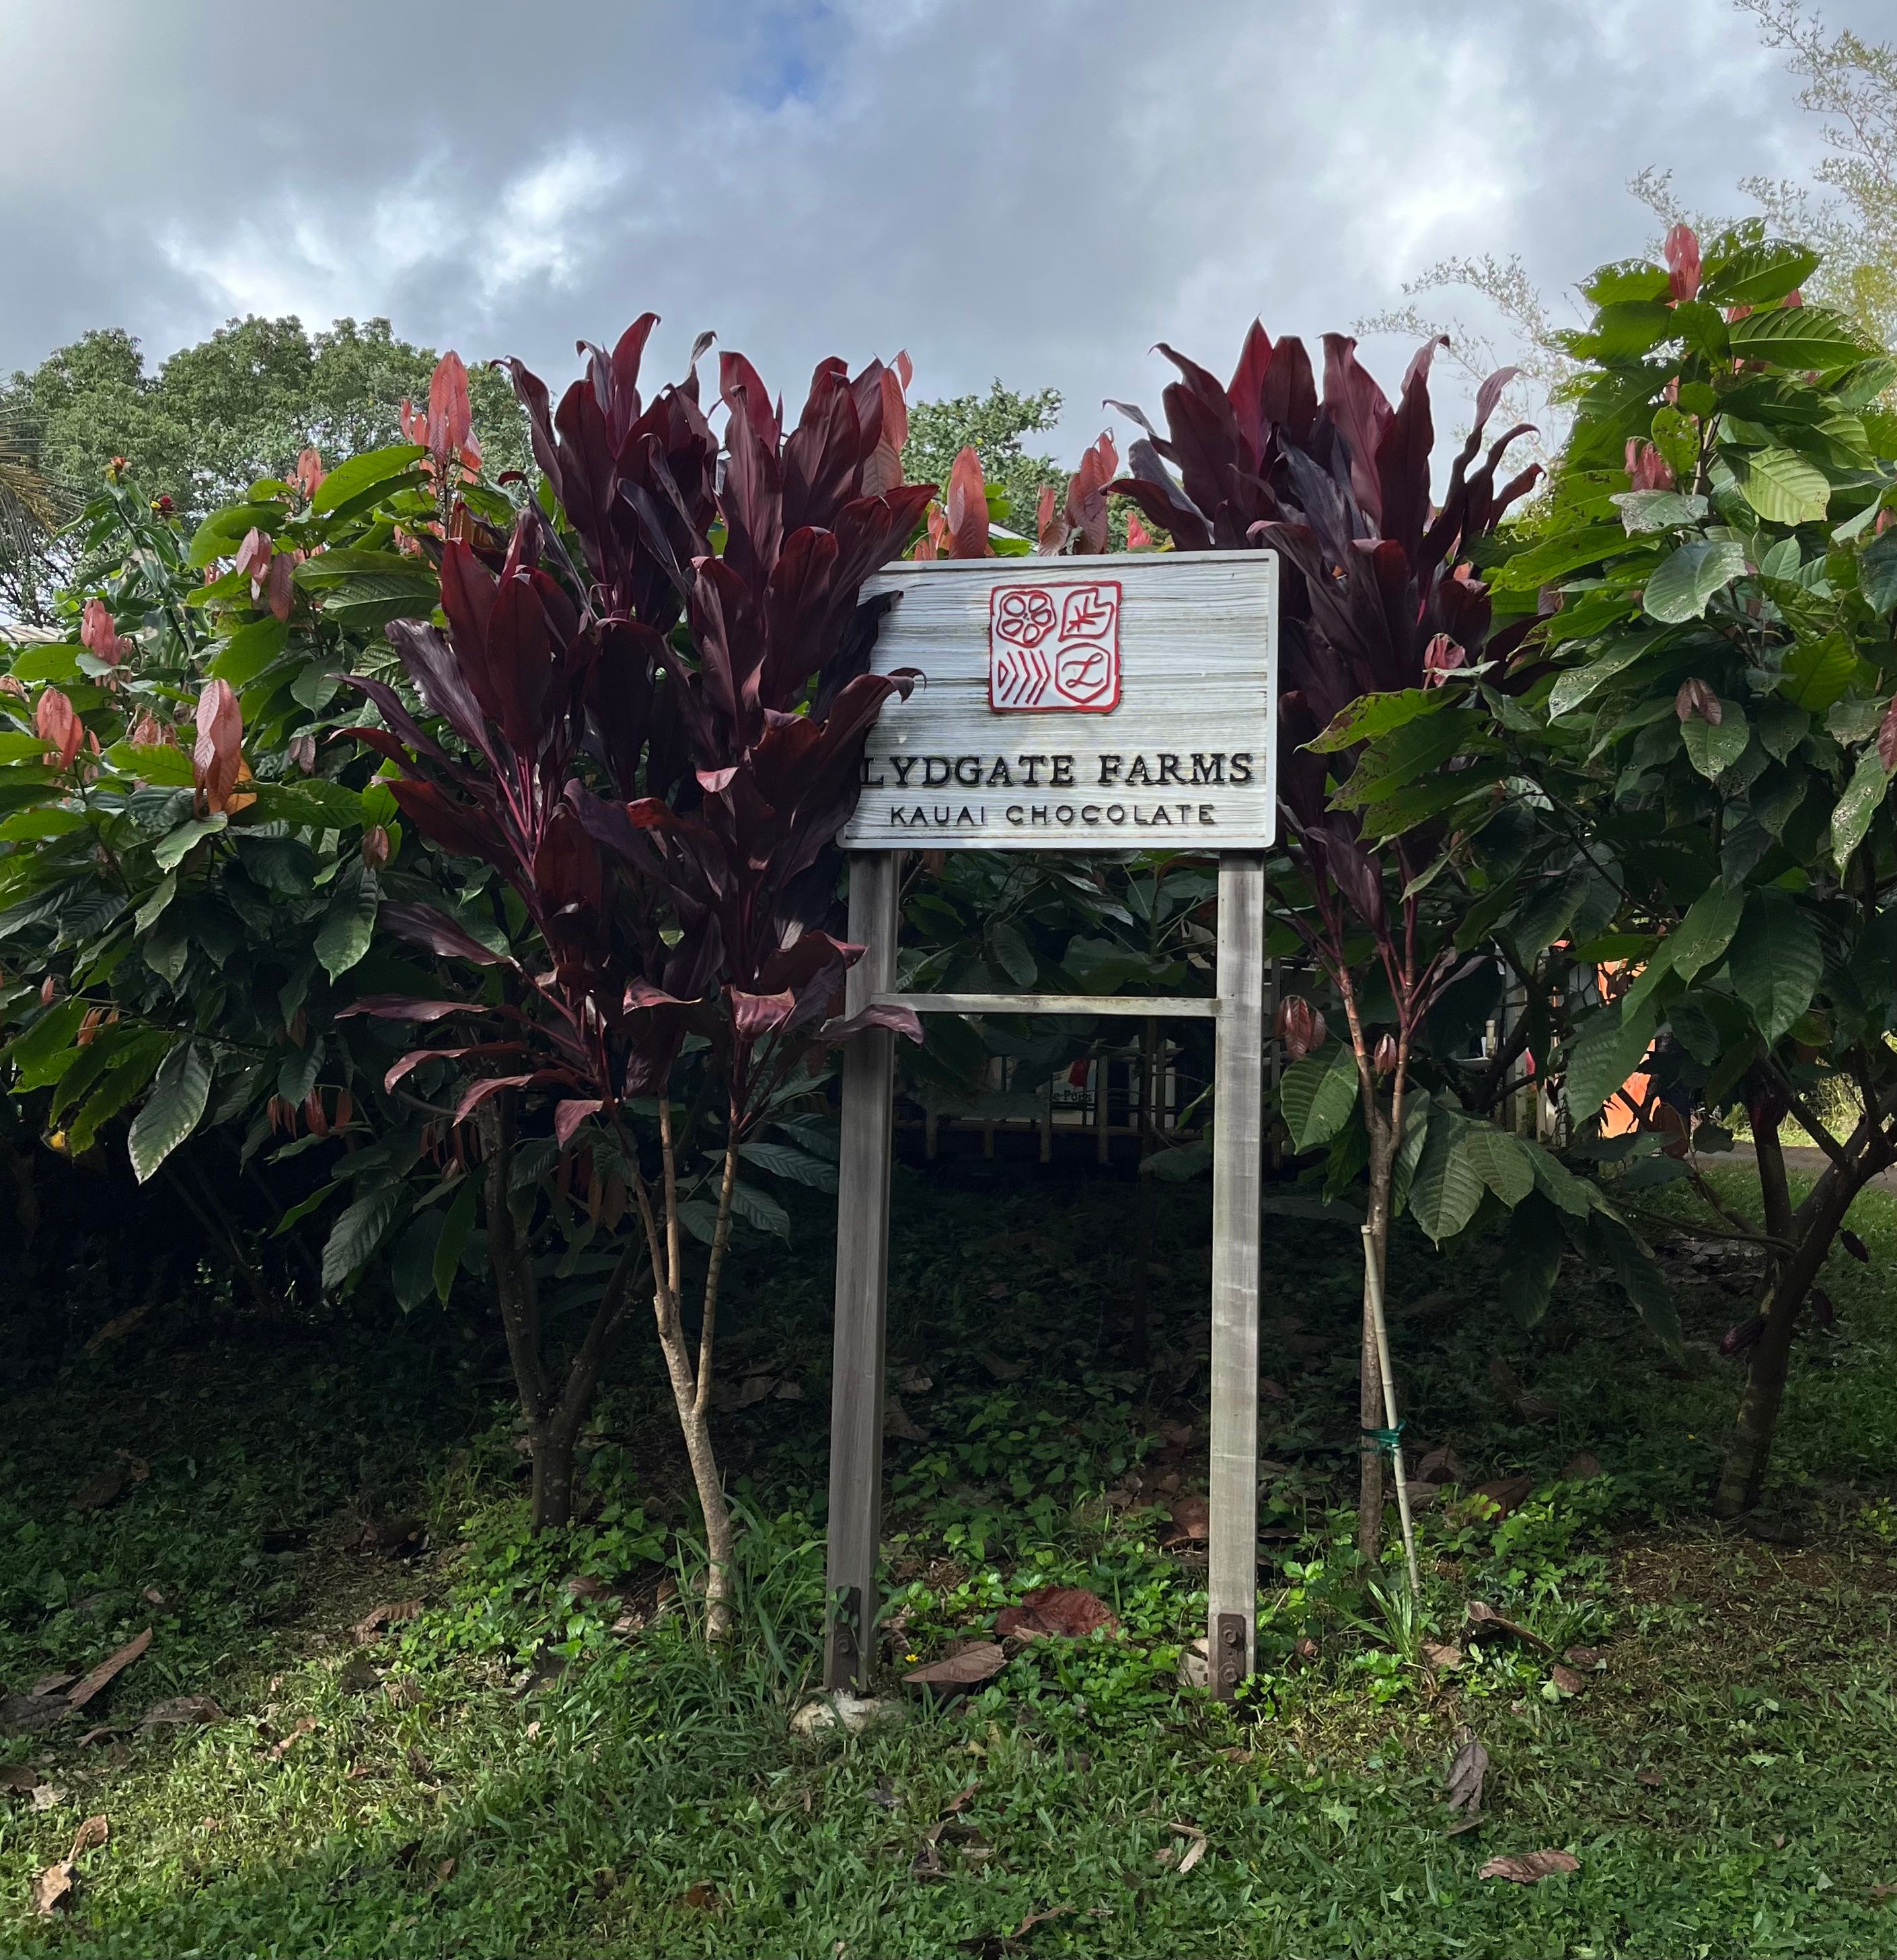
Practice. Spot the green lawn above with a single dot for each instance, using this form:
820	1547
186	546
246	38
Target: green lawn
505	1773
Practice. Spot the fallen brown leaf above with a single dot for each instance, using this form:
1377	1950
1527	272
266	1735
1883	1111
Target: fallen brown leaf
27	1714
970	1841
1585	1656
1195	1850
1651	1778
1579	1467
1002	1371
119	1325
897	1421
357	1676
1466	1774
1441	1465
1444	1658
1531	1867
980	1660
95	1735
45	1797
1481	1614
1191	1521
283	1744
88	1838
1506	1493
1034	1919
108	1669
52	1684
152	1596
1066	1612
181	1709
101	1489
1879	1893
52	1889
443	1872
17	1776
372	1623
1566	1679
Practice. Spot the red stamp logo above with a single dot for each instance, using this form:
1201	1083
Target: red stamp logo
1053	647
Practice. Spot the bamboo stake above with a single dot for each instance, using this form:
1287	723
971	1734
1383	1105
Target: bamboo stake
1373	1285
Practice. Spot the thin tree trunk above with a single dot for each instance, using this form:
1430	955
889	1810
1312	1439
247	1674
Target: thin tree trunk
1143	1199
1370	1387
1815	1225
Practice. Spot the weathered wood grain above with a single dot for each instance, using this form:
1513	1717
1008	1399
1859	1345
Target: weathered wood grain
1198	686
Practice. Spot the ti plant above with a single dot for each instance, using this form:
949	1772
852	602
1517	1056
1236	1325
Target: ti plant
1395	675
652	715
1720	582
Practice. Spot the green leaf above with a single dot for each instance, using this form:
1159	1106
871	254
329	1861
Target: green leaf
1863	796
1657	509
1624	329
1799	337
1016	956
757	1209
1760	275
1531	1258
1316	1096
130	1071
1575	686
223	531
169	851
1550	912
1706	930
1817	672
163	893
157	762
1554	558
1371	715
57	663
1500	1160
1627	279
173	1110
45	1052
49	821
249	650
1776	961
1611	1046
1447	1187
359	1230
1781	725
22	748
316	804
350	922
412	1270
1685	583
367	472
782	1161
1639	1274
1877	573
455	1229
1714	750
1784	488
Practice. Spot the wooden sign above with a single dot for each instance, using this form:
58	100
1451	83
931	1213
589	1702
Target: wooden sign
1116	703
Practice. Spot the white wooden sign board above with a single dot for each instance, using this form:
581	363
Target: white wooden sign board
1070	704
1116	703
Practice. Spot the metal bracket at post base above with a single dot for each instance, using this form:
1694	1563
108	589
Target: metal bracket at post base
1227	1667
844	1666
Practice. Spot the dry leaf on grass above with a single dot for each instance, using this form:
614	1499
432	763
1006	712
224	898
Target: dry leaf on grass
973	1846
52	1889
1195	1850
103	1487
1531	1867
1065	1612
181	1709
1506	1493
283	1744
1444	1658
1579	1467
1651	1778
1466	1774
1586	1657
980	1661
1002	1371
371	1624
1566	1679
17	1776
52	1684
27	1714
897	1421
45	1797
1191	1521
1441	1465
108	1670
1034	1919
1481	1614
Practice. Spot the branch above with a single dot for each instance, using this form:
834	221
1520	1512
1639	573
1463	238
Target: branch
720	1238
1807	1121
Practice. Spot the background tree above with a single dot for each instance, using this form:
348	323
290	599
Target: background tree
242	404
992	425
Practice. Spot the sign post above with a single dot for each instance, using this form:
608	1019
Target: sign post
1089	705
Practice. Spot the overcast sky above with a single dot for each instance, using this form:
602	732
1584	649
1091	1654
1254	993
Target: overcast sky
1037	189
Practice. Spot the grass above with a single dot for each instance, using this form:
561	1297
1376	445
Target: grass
511	1775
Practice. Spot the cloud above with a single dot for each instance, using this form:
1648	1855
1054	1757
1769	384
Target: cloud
1038	193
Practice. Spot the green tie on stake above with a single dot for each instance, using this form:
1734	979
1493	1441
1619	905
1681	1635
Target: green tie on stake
1390	1438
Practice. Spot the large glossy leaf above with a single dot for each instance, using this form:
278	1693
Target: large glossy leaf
1500	1160
370	471
411	1272
1776	961
1651	1292
1800	337
757	1208
45	1052
1760	275
1784	487
1877	573
170	851
1714	749
1016	956
455	1229
174	1108
249	650
130	1069
350	922
1447	1187
1316	1096
1609	1048
1684	584
1863	796
782	1161
1531	1252
1371	715
359	1230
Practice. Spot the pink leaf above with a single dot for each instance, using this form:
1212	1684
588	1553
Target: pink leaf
897	1020
450	418
754	1016
967	507
310	472
568	1116
55	721
214	761
1683	262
